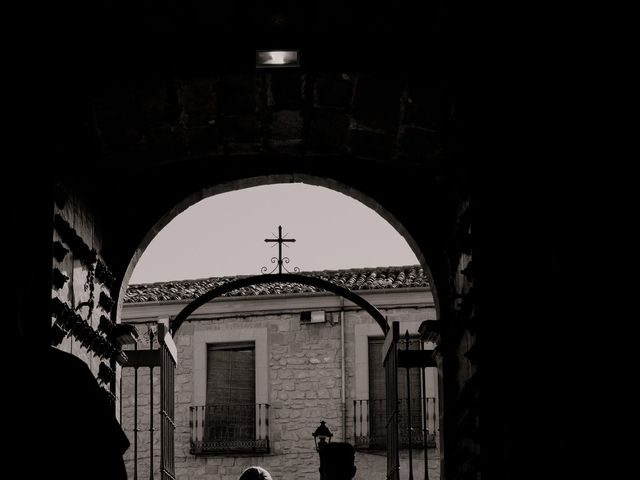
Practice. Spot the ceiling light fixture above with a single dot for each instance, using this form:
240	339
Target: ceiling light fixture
277	58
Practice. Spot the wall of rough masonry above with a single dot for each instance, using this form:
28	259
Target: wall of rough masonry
463	445
304	384
81	290
288	112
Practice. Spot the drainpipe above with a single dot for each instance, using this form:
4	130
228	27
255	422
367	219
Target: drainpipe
344	395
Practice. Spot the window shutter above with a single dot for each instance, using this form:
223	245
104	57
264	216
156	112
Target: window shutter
230	409
231	375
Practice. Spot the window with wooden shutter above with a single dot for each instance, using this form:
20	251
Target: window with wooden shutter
231	406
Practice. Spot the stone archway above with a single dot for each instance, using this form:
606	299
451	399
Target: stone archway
332	184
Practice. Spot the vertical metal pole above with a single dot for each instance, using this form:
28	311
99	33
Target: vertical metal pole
151	424
355	431
135	420
151	410
162	406
343	381
425	430
361	424
197	437
406	340
121	419
172	389
390	363
279	249
258	436
266	425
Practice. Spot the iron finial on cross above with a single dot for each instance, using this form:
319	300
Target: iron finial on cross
280	260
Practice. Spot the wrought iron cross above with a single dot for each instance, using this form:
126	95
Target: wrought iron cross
279	259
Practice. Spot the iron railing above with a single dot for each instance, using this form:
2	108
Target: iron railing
222	429
369	423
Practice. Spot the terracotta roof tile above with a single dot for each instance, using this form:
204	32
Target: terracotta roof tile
377	278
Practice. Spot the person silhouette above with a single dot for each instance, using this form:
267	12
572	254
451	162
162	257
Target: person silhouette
68	414
337	461
255	473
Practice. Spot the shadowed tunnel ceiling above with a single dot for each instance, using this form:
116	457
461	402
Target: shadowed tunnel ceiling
198	34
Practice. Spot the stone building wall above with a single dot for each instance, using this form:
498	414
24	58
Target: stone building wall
304	386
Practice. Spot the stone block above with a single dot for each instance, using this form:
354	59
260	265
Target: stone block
296	361
237	94
199	100
294	324
377	101
202	139
286	124
426	105
165	141
295	347
155	101
211	469
286	90
367	143
241	127
327	129
236	470
284	326
420	142
334	90
323	393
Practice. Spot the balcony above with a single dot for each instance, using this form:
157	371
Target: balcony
370	420
229	429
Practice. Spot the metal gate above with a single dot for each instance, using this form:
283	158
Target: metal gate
390	362
168	362
163	356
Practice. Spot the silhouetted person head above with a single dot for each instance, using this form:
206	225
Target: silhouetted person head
337	461
255	473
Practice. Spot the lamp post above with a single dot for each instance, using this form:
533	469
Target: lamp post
321	435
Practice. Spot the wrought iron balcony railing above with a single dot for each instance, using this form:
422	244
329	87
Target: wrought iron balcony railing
223	429
369	423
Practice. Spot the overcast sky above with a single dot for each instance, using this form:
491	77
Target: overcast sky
224	235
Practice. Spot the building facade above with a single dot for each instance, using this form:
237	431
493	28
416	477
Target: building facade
260	368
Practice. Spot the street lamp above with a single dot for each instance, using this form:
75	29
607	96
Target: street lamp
321	435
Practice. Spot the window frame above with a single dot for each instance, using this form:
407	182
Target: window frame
205	337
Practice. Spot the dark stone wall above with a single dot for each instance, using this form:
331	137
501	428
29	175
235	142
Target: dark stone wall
83	311
459	352
399	118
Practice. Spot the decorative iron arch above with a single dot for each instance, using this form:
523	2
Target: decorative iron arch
278	278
